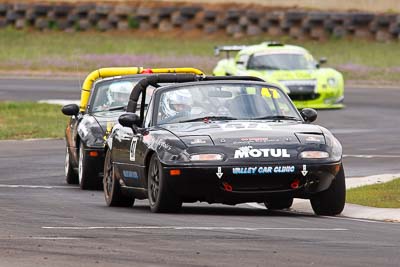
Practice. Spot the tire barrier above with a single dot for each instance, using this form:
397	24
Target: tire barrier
237	21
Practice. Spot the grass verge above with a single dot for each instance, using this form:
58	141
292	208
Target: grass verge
21	120
384	195
85	51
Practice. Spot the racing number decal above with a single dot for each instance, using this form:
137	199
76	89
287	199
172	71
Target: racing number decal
132	151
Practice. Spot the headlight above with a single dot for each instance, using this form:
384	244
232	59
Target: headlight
92	135
334	144
206	157
95	142
314	155
332	82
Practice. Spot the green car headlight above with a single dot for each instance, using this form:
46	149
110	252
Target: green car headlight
332	82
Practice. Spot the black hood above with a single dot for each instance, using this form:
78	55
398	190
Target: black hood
107	119
245	132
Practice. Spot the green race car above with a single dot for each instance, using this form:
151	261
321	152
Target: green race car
291	67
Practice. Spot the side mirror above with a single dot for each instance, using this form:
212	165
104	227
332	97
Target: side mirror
309	114
129	120
70	110
322	60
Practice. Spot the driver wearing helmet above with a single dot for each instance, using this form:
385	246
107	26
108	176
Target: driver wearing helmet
118	93
175	106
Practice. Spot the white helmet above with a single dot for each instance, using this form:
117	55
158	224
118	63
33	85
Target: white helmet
177	97
119	92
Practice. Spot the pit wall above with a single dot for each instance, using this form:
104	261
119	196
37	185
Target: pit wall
235	20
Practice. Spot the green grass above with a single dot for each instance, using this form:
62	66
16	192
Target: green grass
58	51
385	195
21	120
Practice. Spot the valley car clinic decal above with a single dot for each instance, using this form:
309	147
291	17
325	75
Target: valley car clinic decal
132	151
264	170
250	152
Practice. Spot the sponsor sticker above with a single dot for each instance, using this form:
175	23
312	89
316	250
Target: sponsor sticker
162	144
250	152
130	174
198	141
250	140
157	144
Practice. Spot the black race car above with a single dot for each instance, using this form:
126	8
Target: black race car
221	140
105	94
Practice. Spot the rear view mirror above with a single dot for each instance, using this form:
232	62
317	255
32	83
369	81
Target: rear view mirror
322	60
309	114
70	110
129	120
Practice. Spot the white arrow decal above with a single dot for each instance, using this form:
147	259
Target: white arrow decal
304	171
219	173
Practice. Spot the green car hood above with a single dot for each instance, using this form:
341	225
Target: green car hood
288	75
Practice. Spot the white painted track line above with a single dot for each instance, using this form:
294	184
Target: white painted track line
205	228
37	186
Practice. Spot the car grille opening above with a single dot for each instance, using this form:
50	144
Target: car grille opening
302	92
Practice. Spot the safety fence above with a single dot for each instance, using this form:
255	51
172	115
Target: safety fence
237	20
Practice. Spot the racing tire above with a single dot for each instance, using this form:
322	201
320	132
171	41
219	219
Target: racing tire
112	189
161	199
278	203
331	202
71	177
88	177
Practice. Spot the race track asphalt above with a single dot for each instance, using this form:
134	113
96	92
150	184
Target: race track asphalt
48	223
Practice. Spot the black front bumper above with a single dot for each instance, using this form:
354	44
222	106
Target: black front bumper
250	183
95	163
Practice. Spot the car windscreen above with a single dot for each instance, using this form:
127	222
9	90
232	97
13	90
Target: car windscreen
281	61
223	102
114	94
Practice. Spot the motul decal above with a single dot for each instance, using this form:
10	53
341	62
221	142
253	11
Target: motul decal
250	152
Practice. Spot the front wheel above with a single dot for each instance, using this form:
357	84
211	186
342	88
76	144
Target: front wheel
70	174
112	189
161	199
331	201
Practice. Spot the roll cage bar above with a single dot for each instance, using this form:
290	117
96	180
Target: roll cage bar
122	71
154	81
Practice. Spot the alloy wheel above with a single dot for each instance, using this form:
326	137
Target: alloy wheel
154	183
